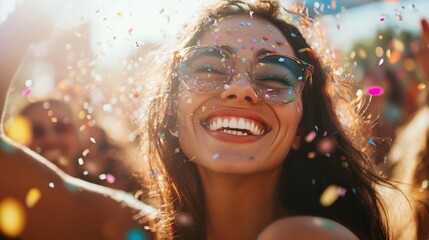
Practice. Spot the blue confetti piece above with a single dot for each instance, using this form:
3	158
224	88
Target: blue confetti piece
293	34
371	142
244	60
235	49
6	147
243	47
136	234
71	187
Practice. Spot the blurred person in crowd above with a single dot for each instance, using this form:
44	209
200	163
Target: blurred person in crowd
54	133
389	100
410	152
105	163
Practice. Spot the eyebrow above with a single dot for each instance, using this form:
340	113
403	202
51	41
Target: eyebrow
263	51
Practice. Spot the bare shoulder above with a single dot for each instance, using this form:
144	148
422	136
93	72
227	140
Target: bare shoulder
306	227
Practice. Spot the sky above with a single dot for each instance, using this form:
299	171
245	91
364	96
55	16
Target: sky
134	22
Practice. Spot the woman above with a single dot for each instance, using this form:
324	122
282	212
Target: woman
54	133
242	132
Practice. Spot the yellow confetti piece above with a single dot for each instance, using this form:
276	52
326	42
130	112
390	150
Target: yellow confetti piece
33	196
421	86
329	196
19	130
398	45
12	217
362	53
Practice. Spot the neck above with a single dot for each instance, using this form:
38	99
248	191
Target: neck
239	207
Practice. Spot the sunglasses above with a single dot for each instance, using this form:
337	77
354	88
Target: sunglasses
276	78
59	128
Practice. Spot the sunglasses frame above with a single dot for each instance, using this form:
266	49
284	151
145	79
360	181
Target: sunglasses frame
306	68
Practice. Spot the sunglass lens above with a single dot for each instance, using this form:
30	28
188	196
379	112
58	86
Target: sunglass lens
278	78
204	69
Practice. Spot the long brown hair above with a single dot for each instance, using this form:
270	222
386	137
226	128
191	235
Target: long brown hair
174	182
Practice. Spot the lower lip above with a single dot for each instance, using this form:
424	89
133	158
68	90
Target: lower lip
224	137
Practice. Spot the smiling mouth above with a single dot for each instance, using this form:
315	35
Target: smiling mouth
237	126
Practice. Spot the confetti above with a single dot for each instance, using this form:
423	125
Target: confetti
12	217
26	92
136	234
92	139
85	152
379	51
244	60
6	147
399	15
215	155
375	91
19	129
80	161
102	176
371	141
425	184
51	185
310	137
110	178
329	196
381	61
311	155
33	196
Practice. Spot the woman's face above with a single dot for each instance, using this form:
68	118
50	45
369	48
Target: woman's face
273	127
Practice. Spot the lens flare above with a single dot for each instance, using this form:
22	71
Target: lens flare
12	217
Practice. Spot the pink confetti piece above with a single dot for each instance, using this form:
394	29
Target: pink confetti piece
130	31
382	19
375	91
342	191
110	178
26	92
161	11
310	137
399	15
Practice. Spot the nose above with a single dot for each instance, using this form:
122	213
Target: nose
240	90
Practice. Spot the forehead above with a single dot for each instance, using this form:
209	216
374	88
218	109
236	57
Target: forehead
39	113
244	32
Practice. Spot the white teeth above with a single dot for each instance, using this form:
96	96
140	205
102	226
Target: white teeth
236	123
225	123
241	124
247	125
233	123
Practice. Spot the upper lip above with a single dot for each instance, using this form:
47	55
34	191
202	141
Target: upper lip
236	119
